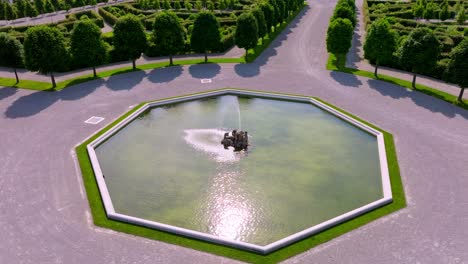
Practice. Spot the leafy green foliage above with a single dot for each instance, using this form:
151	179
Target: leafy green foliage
457	68
381	42
205	35
261	22
444	13
419	52
461	17
87	46
11	51
339	35
246	31
168	34
269	14
44	49
129	37
345	11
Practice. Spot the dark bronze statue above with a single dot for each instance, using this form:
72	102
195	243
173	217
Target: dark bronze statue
238	140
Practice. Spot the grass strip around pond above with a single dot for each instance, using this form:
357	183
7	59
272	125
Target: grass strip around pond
252	55
100	218
337	63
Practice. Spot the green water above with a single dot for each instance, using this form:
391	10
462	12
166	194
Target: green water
304	166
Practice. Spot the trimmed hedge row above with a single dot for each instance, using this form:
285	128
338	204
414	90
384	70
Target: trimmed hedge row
401	17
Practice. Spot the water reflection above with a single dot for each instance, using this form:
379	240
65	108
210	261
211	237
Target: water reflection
229	211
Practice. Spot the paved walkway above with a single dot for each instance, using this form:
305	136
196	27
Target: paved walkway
45	216
235	52
355	59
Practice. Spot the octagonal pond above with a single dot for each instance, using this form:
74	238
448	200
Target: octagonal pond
304	166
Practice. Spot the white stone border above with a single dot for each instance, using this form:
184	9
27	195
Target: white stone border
111	214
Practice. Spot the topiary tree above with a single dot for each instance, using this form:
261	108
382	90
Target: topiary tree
345	11
419	52
168	34
261	22
87	47
11	53
444	13
381	42
339	35
461	16
10	12
30	9
44	50
166	5
210	6
57	4
177	5
205	34
246	35
40	6
269	13
49	7
129	38
457	68
2	10
20	8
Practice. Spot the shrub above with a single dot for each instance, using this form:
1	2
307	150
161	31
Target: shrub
339	35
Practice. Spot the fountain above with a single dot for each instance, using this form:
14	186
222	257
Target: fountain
238	140
173	169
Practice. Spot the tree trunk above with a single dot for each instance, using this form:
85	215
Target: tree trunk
376	67
170	60
206	57
460	96
246	54
16	75
134	65
53	80
94	72
414	80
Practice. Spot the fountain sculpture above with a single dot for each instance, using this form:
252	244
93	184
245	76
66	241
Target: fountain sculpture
238	140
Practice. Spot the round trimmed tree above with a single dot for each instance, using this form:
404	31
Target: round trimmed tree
419	52
168	34
44	50
11	53
87	47
457	68
339	35
205	34
129	38
246	35
381	42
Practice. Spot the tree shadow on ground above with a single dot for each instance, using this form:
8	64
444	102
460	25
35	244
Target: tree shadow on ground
126	81
81	90
31	104
204	70
428	102
345	79
353	57
253	69
164	75
7	92
36	102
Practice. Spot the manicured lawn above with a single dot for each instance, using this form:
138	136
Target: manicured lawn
100	219
337	63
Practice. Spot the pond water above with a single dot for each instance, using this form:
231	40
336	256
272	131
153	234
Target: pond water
303	166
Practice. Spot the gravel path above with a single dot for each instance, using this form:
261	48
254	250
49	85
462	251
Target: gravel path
45	216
